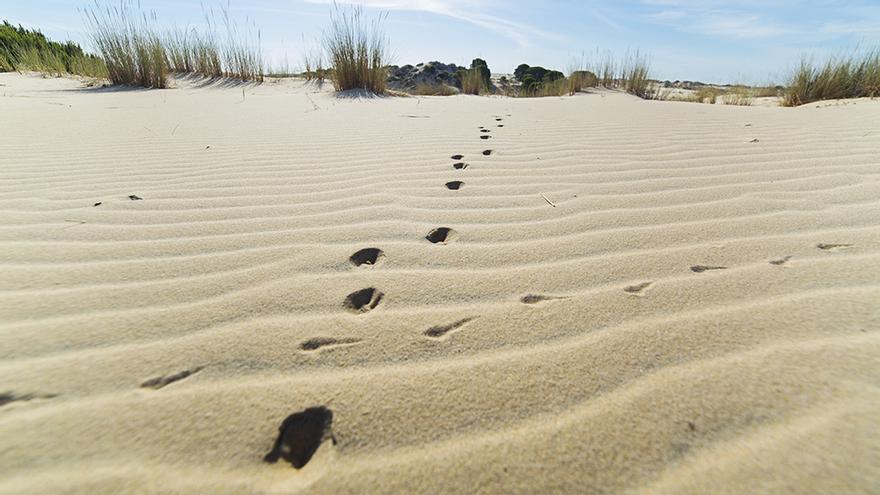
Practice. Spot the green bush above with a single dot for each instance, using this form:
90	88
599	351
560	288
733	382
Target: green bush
28	49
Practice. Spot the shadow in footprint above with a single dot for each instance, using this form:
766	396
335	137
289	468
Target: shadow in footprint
485	137
487	152
833	247
441	235
454	185
300	435
363	300
317	343
9	397
442	330
460	166
780	261
706	268
368	256
538	298
457	157
499	119
485	131
637	289
161	381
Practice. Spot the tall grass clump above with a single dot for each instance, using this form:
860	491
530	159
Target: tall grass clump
635	76
852	76
136	52
739	95
357	49
26	49
130	44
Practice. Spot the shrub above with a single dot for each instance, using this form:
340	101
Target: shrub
24	49
357	50
851	76
476	80
581	79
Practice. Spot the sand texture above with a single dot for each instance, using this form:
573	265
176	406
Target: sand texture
622	297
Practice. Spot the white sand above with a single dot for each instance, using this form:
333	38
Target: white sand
633	374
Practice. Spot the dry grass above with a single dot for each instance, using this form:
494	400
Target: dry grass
852	76
635	76
433	90
472	83
357	50
130	45
742	96
136	53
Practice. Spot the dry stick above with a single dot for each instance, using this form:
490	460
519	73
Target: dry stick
547	200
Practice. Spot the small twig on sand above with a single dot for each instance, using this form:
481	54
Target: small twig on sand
548	201
175	129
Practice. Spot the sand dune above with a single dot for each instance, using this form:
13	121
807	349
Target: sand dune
630	296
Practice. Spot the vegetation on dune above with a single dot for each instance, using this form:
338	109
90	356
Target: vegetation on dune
135	50
477	79
357	50
852	76
27	49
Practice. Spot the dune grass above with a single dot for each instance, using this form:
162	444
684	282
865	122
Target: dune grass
852	76
357	50
433	90
739	95
137	52
473	83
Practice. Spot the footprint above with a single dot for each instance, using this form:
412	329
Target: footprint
485	137
457	157
10	397
500	125
833	247
441	235
441	330
135	197
368	256
99	203
454	185
161	381
316	343
498	119
780	261
485	131
300	435
637	289
705	268
460	166
363	300
538	298
487	152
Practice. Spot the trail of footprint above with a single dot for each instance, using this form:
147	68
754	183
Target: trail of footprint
10	397
637	289
440	331
780	261
441	235
706	268
300	435
368	256
833	247
538	298
363	301
316	343
162	381
454	185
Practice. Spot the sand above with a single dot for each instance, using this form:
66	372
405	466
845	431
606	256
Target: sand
634	297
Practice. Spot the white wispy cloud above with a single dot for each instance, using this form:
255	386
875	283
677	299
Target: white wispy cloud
473	12
723	18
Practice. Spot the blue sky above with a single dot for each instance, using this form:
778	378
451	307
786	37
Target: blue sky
751	41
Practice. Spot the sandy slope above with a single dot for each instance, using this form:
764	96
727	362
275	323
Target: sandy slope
632	372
